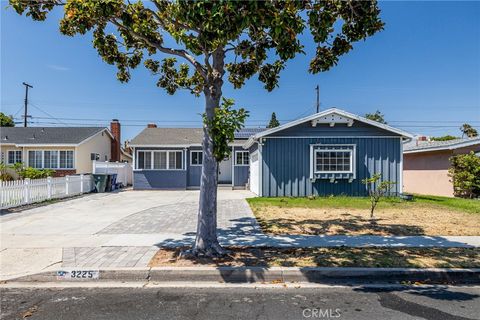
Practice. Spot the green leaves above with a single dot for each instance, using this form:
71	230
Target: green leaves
465	174
222	127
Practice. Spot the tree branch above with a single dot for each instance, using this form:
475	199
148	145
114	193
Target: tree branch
177	52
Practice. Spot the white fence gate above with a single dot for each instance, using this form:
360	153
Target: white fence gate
22	192
123	170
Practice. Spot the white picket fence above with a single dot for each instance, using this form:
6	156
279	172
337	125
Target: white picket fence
22	192
123	170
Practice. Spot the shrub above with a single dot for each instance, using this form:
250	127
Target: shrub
4	175
377	189
465	174
32	173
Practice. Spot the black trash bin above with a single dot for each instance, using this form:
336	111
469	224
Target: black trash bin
101	182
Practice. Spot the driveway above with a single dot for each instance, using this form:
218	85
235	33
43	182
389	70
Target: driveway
113	229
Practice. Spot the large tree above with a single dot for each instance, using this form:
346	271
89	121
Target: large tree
212	38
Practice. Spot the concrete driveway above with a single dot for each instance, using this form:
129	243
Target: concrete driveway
123	227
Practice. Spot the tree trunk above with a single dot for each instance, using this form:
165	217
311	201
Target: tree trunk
206	242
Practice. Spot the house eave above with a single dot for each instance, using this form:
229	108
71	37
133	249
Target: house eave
444	148
315	116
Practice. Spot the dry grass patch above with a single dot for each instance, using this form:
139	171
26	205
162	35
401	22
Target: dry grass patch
328	257
418	219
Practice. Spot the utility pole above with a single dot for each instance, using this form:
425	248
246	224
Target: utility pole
25	115
318	97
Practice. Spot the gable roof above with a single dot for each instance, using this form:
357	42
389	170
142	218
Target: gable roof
180	136
328	112
48	135
424	146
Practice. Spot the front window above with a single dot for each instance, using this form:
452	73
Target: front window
66	160
160	160
241	158
35	159
333	161
14	157
50	159
196	158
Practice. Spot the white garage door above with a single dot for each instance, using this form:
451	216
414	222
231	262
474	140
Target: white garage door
254	173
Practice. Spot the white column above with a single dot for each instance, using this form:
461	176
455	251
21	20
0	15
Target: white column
81	183
67	181
49	187
27	190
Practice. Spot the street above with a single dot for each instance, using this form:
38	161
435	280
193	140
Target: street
428	302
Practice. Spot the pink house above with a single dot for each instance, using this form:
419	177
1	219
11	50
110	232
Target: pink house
426	164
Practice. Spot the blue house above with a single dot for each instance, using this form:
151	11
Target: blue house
329	152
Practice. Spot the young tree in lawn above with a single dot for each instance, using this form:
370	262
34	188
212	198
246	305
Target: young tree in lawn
243	38
273	121
377	116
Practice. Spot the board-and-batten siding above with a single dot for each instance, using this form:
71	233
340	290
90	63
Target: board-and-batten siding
286	166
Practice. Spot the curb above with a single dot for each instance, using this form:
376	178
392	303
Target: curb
271	275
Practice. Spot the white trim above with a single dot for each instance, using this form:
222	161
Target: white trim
350	151
333	137
260	169
243	164
195	165
74	153
47	145
322	114
447	147
177	145
233	167
94	135
401	167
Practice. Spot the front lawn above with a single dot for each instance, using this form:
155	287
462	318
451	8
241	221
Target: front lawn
328	257
426	215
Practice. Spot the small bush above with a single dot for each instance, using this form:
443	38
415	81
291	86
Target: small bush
465	174
32	173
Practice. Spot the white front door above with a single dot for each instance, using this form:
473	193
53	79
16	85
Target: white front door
225	171
254	173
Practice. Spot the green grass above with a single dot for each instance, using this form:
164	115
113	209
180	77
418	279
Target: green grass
463	205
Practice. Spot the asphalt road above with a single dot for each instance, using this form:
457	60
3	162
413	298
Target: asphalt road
435	303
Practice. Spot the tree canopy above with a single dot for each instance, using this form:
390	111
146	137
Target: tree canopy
468	130
6	121
377	116
194	45
273	123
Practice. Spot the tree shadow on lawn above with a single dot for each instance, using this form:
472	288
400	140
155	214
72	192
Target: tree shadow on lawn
353	225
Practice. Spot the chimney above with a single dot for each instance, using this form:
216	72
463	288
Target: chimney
116	143
151	125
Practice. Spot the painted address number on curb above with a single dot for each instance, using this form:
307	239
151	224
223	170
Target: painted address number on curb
78	274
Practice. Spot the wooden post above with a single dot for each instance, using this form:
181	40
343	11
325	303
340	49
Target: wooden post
49	187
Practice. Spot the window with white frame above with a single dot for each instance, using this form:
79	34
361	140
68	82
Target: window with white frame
51	159
159	160
196	158
14	156
66	159
333	161
35	159
242	158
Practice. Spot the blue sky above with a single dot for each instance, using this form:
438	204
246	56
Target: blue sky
422	72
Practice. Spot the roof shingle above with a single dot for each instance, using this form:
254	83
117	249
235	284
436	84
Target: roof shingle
47	135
